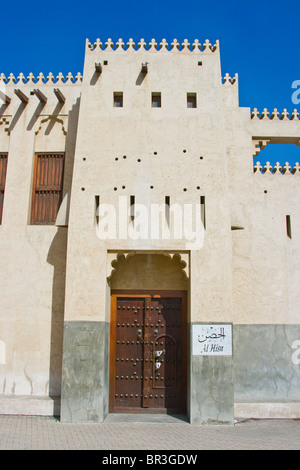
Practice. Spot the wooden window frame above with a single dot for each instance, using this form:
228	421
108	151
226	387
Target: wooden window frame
3	168
44	210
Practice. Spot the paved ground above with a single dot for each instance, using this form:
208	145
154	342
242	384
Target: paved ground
37	433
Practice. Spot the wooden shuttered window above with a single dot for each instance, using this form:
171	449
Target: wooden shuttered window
3	166
47	187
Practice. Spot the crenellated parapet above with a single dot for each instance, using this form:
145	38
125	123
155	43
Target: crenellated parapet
48	100
153	46
274	128
227	80
277	169
275	115
50	79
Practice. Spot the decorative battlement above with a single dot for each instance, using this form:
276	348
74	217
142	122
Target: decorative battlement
274	115
277	169
227	80
41	80
153	46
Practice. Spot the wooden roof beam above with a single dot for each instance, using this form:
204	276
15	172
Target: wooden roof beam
21	96
59	95
40	96
98	67
4	97
145	67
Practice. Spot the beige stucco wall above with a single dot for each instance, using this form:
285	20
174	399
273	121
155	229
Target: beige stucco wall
162	148
54	274
265	260
32	276
169	142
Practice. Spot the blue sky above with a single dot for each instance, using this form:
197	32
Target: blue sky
260	40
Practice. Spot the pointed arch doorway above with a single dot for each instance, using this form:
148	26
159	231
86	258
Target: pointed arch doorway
148	338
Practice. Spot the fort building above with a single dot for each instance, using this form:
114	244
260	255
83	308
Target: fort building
147	265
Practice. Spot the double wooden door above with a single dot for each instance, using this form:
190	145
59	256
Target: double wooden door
148	370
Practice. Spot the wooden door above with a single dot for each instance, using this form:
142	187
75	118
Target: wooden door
148	370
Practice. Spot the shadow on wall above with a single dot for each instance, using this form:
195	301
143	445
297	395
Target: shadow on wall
57	258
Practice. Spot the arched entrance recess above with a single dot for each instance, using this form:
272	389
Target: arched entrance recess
148	339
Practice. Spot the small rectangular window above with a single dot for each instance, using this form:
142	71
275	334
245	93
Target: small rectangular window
47	187
3	167
118	99
192	100
156	100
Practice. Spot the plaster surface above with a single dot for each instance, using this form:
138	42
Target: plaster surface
244	272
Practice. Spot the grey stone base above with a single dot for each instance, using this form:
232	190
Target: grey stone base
84	395
212	390
260	380
264	368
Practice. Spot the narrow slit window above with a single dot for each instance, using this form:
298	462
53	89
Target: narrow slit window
288	226
47	187
192	100
156	100
167	209
97	207
203	212
132	203
118	99
3	167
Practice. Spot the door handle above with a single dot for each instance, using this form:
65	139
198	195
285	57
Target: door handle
139	333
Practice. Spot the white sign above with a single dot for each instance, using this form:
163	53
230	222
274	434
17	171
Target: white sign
212	340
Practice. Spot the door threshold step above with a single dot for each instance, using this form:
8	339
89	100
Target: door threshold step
145	418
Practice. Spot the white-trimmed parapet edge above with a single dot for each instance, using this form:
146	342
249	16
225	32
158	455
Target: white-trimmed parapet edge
228	80
277	169
153	46
60	79
275	115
